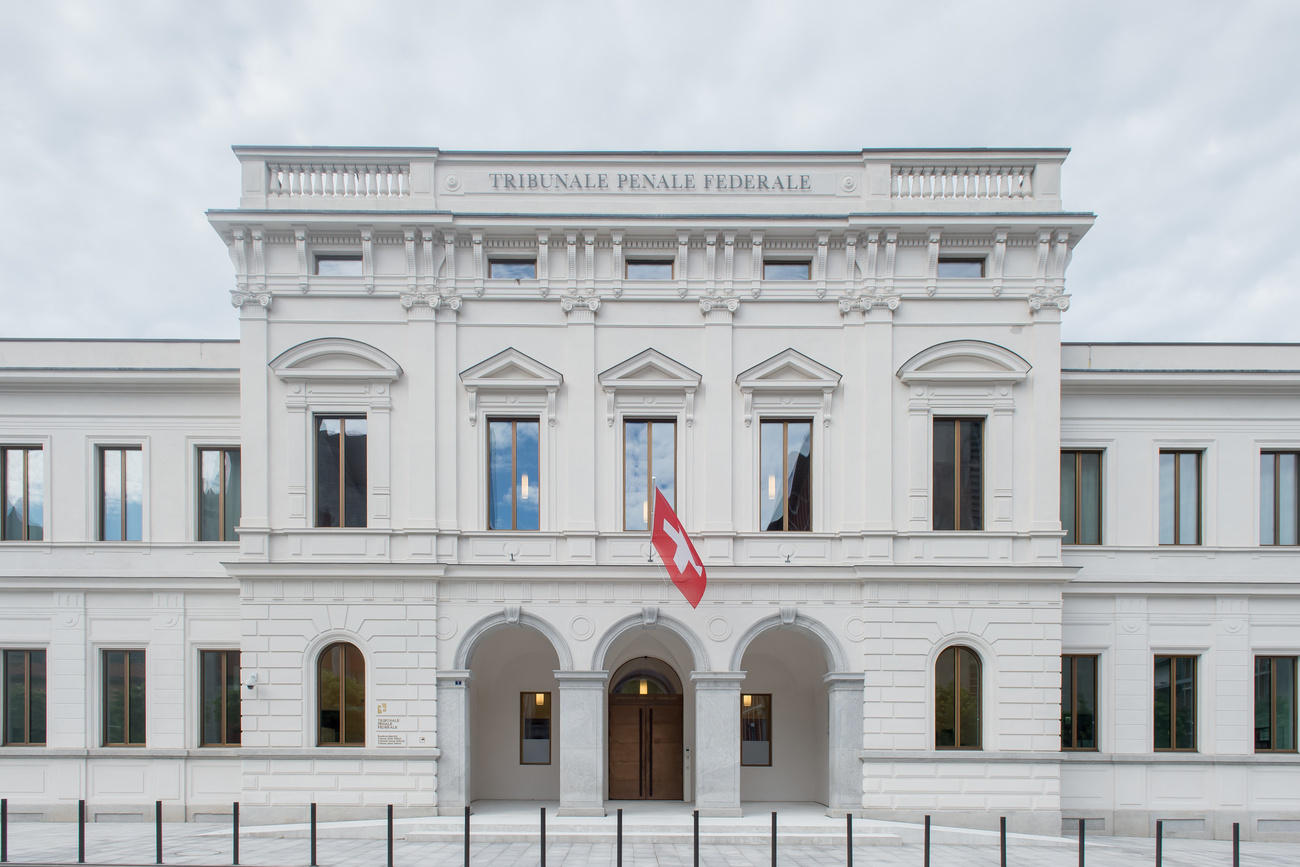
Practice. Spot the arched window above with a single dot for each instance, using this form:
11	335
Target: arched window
341	696
957	700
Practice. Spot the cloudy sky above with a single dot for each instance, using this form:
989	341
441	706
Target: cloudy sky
116	120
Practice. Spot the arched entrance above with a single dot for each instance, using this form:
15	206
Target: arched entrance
645	731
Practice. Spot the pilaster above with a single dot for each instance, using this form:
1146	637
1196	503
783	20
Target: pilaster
452	739
717	742
718	412
844	740
582	742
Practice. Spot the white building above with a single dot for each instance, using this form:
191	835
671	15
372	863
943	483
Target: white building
455	376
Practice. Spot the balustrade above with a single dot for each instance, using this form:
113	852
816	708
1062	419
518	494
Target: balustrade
961	182
337	180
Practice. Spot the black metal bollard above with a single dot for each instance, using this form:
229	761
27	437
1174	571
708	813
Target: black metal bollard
4	829
696	836
81	832
313	834
619	848
1082	834
926	860
234	833
1236	844
157	831
467	835
1002	838
390	835
774	838
1160	834
848	823
543	837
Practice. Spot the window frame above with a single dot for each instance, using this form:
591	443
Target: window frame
958	650
649	422
27	696
1177	453
101	450
346	645
806	262
340	256
26	449
126	701
342	419
514	470
225	653
1173	703
957	472
1078	496
1277	454
511	260
221	495
771	740
524	698
1273	717
785	422
982	261
630	263
1074	714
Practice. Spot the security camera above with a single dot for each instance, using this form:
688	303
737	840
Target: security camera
250	680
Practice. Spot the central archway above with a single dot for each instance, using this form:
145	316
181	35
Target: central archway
645	731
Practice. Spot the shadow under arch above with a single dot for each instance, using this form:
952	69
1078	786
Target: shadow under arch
836	660
699	655
465	651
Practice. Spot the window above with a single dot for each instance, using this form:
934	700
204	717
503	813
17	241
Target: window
957	700
339	265
649	452
1275	715
953	266
958	473
24	697
637	269
1175	703
785	474
218	494
756	730
219	723
341	696
1081	497
1078	702
22	491
340	471
534	728
1279	493
787	270
514	488
124	698
121	494
512	269
1180	498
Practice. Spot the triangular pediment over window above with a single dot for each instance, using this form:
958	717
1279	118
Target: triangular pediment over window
790	370
335	358
974	361
511	369
650	369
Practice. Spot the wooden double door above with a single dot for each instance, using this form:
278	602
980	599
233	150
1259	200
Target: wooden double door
645	747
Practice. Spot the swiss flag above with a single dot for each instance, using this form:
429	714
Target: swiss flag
675	548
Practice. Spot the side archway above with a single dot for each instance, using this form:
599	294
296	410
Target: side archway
512	617
836	659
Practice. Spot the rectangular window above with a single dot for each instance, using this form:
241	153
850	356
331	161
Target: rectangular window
218	494
514	482
1275	715
787	270
1078	702
340	471
637	269
24	698
1279	494
785	475
958	474
512	269
649	452
955	266
219	698
534	728
121	494
124	698
22	492
756	730
339	265
1081	497
1175	703
1180	498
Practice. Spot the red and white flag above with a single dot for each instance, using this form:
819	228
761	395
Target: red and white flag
675	549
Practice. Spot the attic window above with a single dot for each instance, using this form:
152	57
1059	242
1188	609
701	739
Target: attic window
512	269
966	267
787	270
647	269
339	265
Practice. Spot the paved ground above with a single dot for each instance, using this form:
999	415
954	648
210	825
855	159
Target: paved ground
354	845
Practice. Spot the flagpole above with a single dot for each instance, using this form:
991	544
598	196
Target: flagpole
650	525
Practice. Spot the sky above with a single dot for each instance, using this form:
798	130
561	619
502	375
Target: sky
116	121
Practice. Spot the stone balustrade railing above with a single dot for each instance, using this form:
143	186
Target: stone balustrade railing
961	182
317	179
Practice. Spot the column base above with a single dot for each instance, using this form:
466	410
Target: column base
581	811
720	812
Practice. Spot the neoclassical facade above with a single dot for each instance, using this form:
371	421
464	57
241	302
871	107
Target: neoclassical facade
391	545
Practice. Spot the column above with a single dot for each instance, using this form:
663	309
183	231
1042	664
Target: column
452	723
581	714
255	446
717	417
844	741
717	742
446	385
577	501
416	439
877	373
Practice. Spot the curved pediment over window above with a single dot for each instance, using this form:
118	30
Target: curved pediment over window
964	361
335	358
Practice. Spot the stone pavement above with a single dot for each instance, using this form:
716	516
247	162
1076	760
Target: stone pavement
357	844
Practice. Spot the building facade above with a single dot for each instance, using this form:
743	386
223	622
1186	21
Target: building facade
392	546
